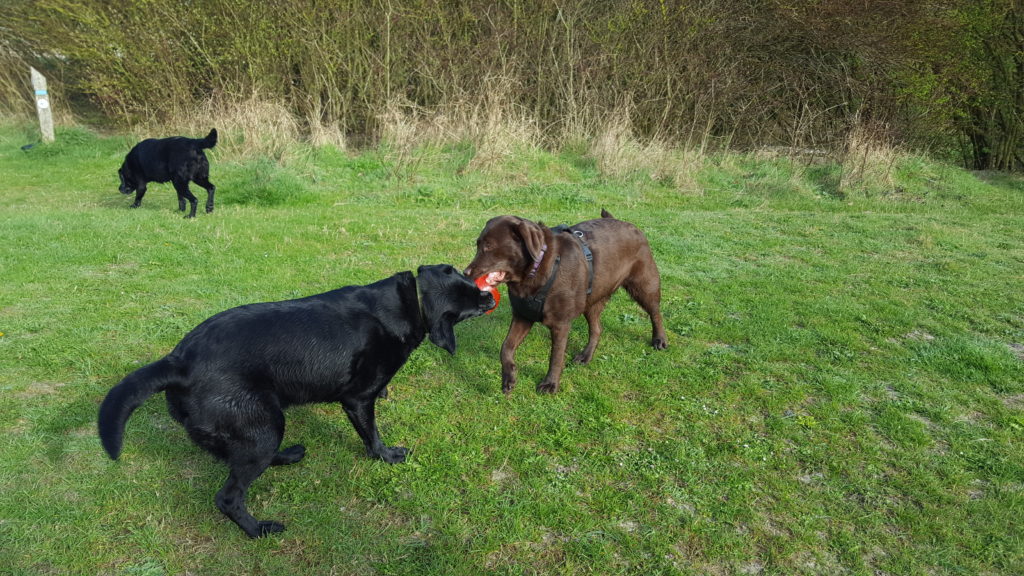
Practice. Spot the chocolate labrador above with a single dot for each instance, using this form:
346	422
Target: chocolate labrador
556	274
229	379
177	160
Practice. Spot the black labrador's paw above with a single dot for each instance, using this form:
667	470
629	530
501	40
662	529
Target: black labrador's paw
264	527
393	455
289	455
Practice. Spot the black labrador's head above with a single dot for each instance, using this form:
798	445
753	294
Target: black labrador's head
449	298
127	181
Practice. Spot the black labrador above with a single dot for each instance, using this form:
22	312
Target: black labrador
177	160
229	379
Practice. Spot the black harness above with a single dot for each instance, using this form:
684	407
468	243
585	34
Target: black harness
532	307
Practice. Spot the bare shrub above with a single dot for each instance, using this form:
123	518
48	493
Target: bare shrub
15	85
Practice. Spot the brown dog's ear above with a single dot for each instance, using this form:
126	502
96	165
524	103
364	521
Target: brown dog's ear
533	236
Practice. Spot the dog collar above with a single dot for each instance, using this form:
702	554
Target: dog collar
419	302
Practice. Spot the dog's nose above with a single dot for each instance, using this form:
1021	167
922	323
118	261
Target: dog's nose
487	301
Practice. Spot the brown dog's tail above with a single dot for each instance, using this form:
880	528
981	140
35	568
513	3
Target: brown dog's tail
606	214
128	395
210	141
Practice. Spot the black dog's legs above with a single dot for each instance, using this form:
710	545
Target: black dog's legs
231	498
361	413
140	191
289	455
203	181
181	186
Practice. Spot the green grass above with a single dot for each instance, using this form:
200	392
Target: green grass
843	391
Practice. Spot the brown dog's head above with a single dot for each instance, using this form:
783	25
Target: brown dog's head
508	250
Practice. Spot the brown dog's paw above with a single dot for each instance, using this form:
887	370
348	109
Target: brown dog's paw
582	358
659	343
547	387
508	383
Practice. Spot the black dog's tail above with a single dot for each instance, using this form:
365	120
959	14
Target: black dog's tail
210	141
128	395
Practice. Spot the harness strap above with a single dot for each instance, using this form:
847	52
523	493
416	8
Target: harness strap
578	234
532	307
590	259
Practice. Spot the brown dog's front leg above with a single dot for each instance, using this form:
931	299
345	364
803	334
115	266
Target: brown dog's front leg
559	340
517	331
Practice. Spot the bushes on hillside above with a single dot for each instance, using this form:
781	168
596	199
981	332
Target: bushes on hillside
945	76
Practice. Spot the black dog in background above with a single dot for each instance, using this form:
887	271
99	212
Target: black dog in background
228	381
177	160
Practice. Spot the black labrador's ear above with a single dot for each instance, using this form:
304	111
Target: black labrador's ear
440	320
442	333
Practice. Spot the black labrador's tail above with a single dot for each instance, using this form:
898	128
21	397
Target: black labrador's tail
128	395
210	141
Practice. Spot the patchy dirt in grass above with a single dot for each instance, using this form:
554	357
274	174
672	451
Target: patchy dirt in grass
37	389
1018	350
1015	401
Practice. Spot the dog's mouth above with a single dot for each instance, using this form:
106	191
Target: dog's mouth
487	284
494	278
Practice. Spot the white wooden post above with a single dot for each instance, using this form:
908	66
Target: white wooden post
43	105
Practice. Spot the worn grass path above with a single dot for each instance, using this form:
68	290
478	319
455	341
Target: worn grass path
843	392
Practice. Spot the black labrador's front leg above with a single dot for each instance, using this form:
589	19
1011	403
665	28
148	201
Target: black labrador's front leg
140	191
362	415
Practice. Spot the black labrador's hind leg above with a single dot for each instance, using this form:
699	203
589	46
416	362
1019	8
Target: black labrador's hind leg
203	181
181	187
231	498
249	446
362	415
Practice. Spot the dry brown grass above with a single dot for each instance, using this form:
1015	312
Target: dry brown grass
251	127
868	159
618	152
496	126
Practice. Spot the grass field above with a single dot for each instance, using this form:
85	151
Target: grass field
843	392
